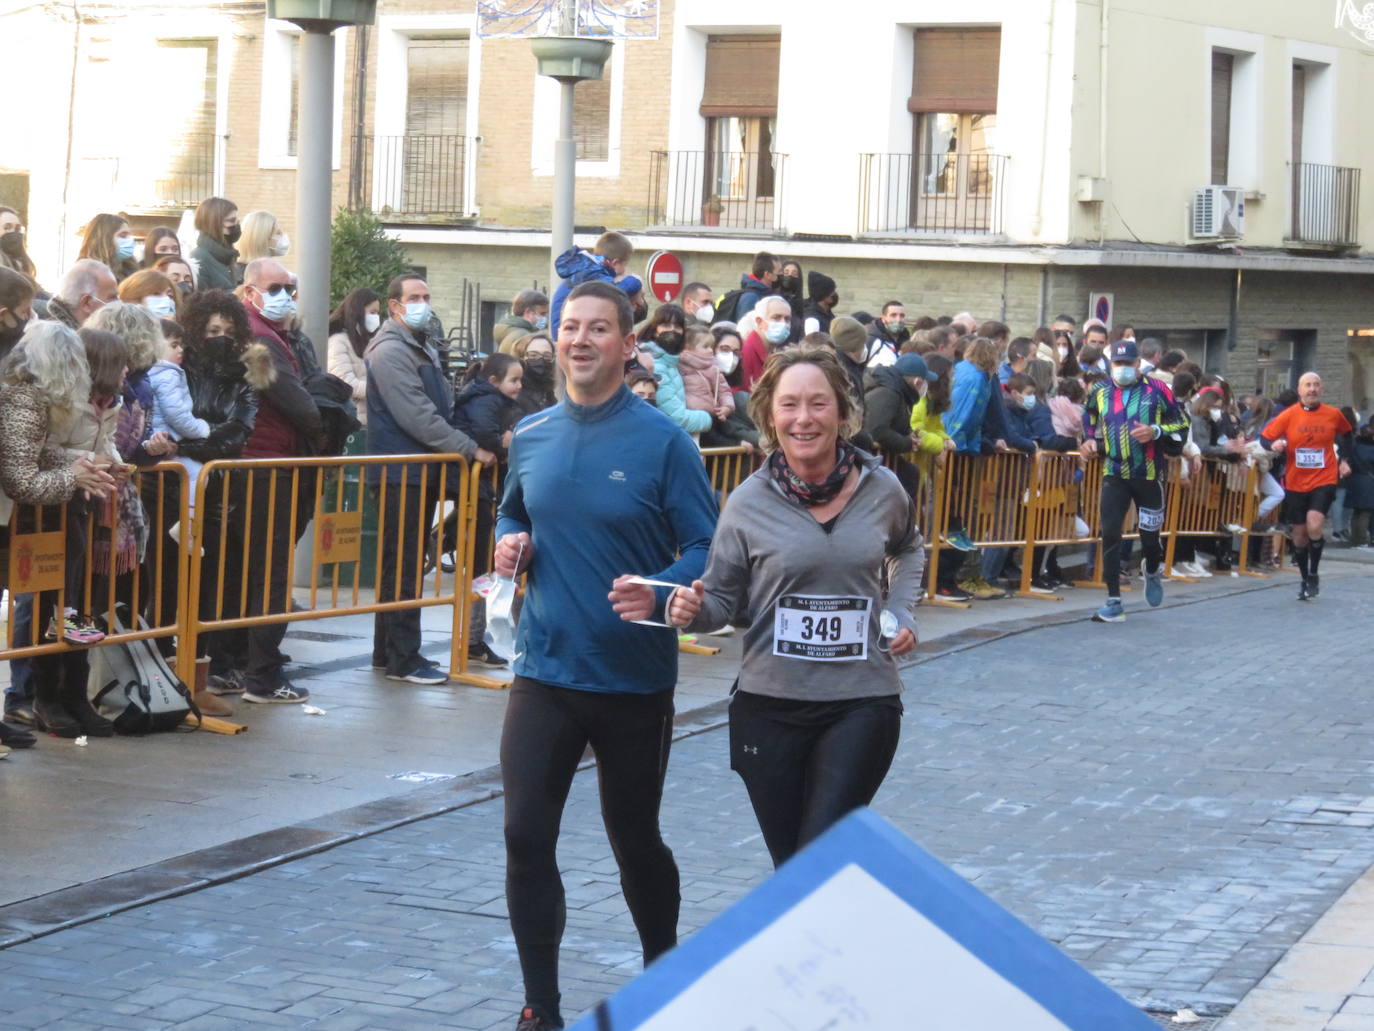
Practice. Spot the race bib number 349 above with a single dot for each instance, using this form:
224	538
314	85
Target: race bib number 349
821	628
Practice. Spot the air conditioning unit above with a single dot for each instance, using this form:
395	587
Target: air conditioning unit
1219	213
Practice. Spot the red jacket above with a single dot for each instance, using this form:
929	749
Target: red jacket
288	423
752	358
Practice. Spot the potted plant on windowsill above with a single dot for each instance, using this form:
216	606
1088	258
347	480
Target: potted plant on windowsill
710	211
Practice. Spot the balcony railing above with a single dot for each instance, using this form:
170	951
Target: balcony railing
417	176
175	173
1326	205
741	191
942	194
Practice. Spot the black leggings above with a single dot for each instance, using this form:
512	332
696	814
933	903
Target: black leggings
1117	495
546	731
807	764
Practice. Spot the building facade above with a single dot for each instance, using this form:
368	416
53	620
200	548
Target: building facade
1192	168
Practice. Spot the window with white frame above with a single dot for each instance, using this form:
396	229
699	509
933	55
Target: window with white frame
596	121
279	98
1235	130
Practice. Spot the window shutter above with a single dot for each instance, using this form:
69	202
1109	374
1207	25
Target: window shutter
436	86
741	77
1223	65
592	118
956	71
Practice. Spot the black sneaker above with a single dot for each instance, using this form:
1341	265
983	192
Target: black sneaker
1042	585
16	737
1305	591
534	1019
280	692
481	655
953	593
427	673
230	682
1313	586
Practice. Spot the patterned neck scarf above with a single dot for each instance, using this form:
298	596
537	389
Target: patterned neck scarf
803	492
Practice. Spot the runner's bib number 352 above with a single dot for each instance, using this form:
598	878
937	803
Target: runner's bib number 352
1310	458
821	627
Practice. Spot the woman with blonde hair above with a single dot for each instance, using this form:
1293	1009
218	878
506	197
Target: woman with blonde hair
819	549
153	290
44	382
217	222
109	239
263	237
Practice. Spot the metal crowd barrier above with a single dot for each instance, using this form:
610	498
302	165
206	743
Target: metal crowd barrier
38	551
250	514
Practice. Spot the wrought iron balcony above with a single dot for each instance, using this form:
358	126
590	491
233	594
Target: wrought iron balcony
941	194
739	190
416	176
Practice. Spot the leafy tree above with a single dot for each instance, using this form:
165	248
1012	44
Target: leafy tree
363	254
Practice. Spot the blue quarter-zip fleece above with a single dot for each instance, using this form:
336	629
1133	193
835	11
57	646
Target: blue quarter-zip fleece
603	490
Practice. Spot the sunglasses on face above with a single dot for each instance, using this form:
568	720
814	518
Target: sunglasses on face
276	288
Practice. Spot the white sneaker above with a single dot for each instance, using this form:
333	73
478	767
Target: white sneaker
1196	568
1179	571
720	631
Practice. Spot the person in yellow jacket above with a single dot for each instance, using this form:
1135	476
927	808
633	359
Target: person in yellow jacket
933	443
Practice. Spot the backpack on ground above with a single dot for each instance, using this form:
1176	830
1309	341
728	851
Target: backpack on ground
132	684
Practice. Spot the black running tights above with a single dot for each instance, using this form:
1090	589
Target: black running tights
1117	495
547	729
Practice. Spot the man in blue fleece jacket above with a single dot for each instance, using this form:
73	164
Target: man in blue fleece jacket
601	488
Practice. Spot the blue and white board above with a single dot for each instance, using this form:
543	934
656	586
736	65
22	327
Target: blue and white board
863	929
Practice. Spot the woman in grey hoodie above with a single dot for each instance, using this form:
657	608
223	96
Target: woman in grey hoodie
800	555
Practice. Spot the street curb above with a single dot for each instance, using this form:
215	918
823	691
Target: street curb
84	903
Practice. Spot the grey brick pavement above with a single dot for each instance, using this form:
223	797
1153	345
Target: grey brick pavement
1174	801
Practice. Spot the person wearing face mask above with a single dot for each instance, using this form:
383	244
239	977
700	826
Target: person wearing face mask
288	425
261	236
821	301
696	302
890	329
754	285
1125	420
529	313
178	270
664	336
217	222
351	327
16	308
772	322
13	253
890	393
409	411
108	239
535	351
155	291
87	286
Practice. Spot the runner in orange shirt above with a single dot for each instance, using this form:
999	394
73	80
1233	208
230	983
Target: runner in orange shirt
1313	436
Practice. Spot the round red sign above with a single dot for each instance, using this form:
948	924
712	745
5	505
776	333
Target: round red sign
664	276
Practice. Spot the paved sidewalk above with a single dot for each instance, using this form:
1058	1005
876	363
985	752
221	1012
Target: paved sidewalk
1175	801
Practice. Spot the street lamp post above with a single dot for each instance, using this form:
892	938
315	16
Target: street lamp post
318	19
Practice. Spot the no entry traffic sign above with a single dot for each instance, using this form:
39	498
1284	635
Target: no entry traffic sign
664	275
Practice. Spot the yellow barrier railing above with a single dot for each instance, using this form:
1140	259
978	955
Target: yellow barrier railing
51	545
250	515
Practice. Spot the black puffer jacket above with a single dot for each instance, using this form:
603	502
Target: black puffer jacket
222	382
888	400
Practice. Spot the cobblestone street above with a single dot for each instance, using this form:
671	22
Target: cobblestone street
1174	801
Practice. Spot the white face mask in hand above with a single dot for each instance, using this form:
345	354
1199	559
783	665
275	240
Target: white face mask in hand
500	634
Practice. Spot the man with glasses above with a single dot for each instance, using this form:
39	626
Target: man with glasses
287	426
88	285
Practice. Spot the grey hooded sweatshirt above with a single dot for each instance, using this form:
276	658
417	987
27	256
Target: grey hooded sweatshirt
812	599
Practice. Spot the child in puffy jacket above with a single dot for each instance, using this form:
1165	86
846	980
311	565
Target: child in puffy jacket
703	380
173	415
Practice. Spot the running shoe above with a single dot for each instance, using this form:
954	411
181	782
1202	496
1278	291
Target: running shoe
226	683
76	629
481	655
1042	585
1154	589
1112	612
533	1019
720	631
955	593
981	589
1313	586
1305	591
1178	572
959	539
428	673
1195	568
283	693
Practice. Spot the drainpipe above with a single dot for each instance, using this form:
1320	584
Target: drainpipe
1103	47
1037	218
